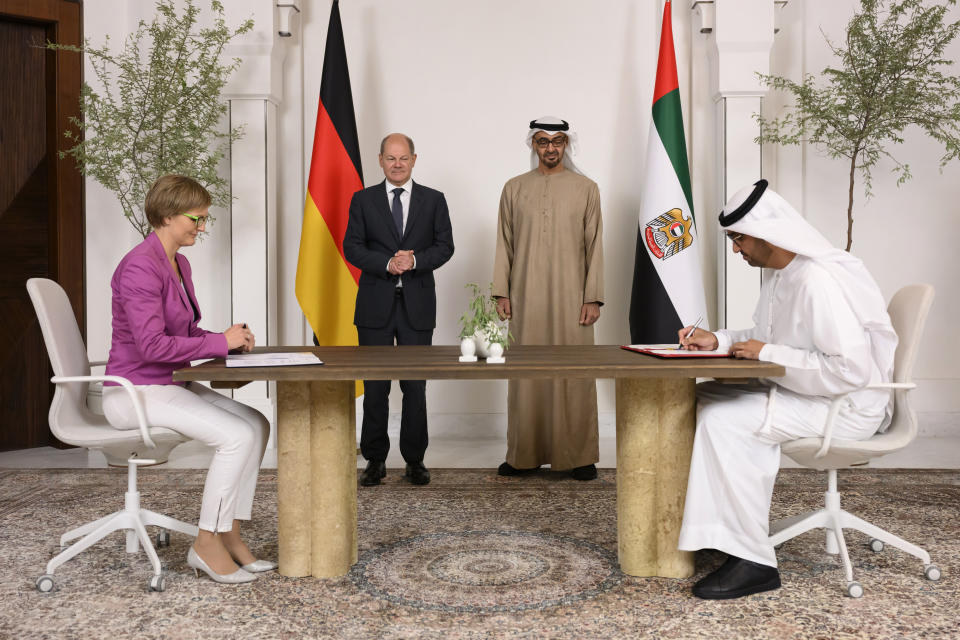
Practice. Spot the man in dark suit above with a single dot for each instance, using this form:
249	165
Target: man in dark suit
397	234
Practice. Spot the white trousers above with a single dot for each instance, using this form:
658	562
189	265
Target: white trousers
734	467
237	433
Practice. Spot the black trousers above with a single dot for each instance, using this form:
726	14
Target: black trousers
374	442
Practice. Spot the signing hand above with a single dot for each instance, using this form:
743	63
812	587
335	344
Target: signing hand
749	350
239	337
503	308
700	340
589	313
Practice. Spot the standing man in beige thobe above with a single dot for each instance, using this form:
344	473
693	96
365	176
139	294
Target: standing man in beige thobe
548	280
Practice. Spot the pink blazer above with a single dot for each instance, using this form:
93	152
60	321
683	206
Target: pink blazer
154	321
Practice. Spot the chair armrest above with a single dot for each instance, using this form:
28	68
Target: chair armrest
835	408
98	363
892	385
131	390
828	425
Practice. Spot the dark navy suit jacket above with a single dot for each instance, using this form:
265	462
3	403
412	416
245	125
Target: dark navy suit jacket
371	240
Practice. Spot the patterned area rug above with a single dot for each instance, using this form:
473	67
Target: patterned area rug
473	555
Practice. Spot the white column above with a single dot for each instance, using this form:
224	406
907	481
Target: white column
254	94
739	37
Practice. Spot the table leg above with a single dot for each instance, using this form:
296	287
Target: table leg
293	477
333	471
656	420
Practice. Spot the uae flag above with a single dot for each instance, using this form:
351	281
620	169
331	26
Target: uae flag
326	284
667	282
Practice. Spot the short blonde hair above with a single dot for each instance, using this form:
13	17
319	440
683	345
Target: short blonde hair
172	195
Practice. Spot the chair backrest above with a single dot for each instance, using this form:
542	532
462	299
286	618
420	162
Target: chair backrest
68	355
908	311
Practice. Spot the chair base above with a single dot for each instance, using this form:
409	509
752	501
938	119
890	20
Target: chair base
835	520
131	519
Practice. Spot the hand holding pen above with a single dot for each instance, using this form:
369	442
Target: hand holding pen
240	338
693	341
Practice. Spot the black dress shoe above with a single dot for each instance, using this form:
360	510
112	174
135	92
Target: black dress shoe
587	472
506	469
417	473
737	578
376	469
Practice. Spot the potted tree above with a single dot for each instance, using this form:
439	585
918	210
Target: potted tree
160	108
891	76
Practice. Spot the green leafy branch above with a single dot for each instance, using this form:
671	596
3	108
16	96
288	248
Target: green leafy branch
890	77
482	315
160	108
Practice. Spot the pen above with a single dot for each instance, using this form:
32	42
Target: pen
693	328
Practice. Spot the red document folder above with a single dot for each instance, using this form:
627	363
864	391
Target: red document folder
663	351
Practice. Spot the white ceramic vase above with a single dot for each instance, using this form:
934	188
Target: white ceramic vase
468	347
482	344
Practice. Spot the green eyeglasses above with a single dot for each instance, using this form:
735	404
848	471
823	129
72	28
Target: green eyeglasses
199	221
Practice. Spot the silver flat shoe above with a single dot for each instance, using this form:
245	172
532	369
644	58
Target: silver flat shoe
259	566
197	564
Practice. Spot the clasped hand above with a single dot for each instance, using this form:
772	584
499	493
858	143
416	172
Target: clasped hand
401	262
239	337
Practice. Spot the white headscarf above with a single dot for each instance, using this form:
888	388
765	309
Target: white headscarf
551	126
762	213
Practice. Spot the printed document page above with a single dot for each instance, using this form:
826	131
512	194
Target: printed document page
271	359
673	351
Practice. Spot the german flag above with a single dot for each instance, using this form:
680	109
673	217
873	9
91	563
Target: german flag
326	283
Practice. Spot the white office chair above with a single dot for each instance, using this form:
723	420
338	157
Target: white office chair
73	423
908	313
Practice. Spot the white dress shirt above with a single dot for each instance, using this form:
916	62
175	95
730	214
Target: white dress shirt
405	203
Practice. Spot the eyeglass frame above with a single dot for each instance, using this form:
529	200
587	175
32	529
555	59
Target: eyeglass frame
198	221
735	239
558	143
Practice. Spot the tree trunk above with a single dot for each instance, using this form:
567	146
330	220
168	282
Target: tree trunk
853	176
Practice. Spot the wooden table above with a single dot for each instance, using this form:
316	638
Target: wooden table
316	439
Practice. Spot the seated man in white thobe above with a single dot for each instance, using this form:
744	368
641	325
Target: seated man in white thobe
821	316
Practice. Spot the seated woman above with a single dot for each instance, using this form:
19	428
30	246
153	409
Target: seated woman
155	316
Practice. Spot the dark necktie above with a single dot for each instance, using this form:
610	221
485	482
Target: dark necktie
397	210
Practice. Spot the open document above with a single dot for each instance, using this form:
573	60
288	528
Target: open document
673	351
271	359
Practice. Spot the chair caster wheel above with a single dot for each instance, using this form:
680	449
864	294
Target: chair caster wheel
854	590
931	572
777	547
163	539
876	545
157	583
45	583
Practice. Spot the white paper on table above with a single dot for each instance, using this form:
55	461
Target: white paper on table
272	359
665	345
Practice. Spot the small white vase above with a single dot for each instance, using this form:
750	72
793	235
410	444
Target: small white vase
496	353
468	350
482	344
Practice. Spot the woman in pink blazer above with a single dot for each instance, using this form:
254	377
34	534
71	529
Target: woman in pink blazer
155	317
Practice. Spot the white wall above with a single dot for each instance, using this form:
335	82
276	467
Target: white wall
464	79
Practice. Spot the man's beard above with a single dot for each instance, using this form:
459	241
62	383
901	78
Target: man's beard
550	163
